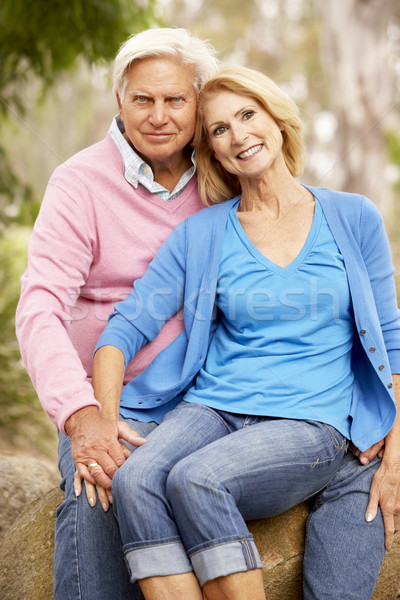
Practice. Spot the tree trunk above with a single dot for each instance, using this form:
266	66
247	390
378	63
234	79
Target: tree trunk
355	51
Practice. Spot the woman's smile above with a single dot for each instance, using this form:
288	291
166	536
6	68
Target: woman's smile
250	151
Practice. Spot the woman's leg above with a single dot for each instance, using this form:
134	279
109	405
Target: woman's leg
151	542
261	470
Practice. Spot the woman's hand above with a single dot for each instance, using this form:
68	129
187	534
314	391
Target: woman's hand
104	496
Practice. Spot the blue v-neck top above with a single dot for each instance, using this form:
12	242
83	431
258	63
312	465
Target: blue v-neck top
283	344
184	274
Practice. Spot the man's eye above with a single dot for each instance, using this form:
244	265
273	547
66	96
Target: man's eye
176	99
141	99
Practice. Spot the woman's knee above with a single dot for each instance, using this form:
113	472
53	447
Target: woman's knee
187	477
136	478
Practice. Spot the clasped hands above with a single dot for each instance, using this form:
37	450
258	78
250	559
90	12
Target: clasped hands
98	449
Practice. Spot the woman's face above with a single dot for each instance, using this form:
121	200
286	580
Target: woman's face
244	137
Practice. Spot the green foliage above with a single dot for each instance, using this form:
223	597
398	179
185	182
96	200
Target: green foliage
39	40
45	37
42	39
23	423
392	139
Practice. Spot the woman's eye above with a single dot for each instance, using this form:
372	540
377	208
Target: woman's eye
248	114
219	130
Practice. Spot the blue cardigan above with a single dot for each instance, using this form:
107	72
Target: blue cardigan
184	274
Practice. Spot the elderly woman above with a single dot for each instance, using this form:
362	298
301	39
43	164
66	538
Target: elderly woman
292	327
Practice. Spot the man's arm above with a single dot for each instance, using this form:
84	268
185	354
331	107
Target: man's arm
95	437
60	258
385	488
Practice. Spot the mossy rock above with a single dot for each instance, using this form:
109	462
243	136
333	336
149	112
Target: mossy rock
26	551
26	554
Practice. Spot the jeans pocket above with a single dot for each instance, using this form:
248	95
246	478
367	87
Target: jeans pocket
335	448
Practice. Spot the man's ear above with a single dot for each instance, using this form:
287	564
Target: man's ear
119	105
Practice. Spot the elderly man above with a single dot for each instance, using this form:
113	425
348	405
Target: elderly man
105	214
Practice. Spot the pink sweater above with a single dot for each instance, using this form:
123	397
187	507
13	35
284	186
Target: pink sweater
95	234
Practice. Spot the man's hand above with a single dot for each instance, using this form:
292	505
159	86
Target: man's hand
385	488
365	457
385	492
95	445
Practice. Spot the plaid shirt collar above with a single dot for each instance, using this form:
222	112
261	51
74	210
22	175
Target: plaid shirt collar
137	171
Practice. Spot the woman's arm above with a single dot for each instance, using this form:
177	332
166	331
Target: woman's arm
385	488
155	298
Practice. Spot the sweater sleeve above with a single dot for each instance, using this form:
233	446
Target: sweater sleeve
60	256
376	252
154	299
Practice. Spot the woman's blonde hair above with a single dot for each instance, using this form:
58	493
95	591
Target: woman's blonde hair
216	184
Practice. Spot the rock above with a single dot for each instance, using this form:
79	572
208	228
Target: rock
23	480
280	543
388	586
26	554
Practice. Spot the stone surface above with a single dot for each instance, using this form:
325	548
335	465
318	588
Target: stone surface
24	479
26	554
280	543
388	586
26	551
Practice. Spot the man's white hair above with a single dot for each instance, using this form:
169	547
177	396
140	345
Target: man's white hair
171	42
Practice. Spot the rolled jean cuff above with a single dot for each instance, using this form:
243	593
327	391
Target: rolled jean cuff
157	560
225	559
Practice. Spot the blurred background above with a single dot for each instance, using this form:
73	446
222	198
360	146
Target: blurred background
339	60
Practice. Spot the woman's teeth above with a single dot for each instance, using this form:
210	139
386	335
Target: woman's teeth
250	151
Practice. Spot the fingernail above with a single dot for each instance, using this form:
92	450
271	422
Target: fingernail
110	499
92	501
76	492
105	507
368	517
364	460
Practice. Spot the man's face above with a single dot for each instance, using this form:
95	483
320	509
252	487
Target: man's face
159	110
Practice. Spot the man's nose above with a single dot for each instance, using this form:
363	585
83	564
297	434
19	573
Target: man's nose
158	115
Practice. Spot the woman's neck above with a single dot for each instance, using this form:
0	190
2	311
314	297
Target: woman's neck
271	195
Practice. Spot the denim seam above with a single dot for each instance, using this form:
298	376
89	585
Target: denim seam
76	550
250	555
153	544
240	540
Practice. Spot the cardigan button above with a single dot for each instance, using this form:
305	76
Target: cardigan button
381	367
390	386
372	349
362	332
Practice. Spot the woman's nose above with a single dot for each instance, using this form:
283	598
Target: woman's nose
239	136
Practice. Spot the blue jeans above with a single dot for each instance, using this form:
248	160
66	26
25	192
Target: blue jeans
343	553
181	500
88	558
